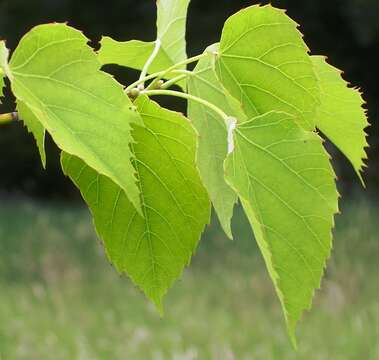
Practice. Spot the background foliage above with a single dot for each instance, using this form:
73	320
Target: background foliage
60	298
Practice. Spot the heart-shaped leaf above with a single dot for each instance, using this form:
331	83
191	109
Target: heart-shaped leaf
152	249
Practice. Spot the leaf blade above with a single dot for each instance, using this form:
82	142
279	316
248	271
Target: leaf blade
286	184
171	29
4	55
264	63
341	116
153	250
133	54
68	93
212	142
35	127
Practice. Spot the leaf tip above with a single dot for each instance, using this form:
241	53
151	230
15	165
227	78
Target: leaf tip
159	306
292	335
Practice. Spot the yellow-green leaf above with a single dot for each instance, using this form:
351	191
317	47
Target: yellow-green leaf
4	68
133	54
153	249
57	76
171	30
212	143
286	184
35	127
264	62
341	116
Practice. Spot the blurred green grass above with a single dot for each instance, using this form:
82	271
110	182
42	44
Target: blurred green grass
60	298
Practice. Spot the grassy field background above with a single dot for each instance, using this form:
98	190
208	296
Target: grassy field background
60	298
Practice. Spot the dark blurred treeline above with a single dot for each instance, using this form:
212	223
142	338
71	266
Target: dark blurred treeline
346	30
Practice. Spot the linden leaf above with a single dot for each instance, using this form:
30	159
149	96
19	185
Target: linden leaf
341	116
35	127
133	54
264	62
212	142
284	179
154	249
4	67
57	76
171	30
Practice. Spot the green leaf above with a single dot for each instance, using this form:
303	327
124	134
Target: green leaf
35	127
212	143
4	67
153	249
171	29
284	179
133	54
341	116
264	63
57	76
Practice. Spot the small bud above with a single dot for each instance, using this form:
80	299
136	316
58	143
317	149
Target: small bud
134	93
160	83
157	85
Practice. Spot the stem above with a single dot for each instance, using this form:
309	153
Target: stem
182	63
184	72
173	81
160	74
190	60
148	77
186	96
8	118
149	62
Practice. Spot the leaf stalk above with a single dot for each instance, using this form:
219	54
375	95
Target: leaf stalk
149	61
161	74
186	96
173	81
8	118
